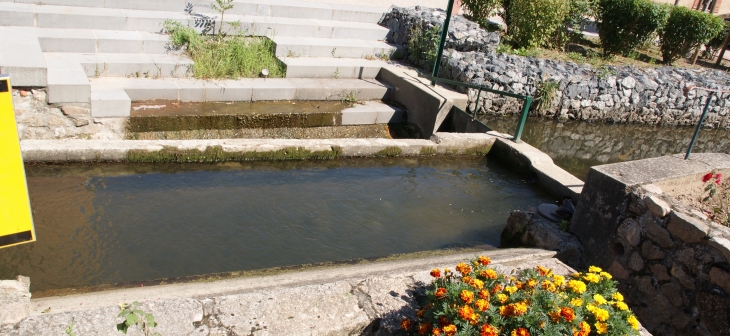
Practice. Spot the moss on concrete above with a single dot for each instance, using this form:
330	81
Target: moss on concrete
478	150
428	150
217	154
389	152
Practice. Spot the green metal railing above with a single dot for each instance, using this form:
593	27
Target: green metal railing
704	113
525	107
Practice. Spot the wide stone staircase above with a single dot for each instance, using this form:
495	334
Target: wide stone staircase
110	53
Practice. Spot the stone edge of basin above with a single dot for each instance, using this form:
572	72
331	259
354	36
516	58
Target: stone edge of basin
338	300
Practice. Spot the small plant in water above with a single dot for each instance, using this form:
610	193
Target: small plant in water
134	316
715	198
479	300
546	93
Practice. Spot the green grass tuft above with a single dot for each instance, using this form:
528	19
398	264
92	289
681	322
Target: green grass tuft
389	152
217	154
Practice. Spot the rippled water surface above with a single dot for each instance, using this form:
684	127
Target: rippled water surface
100	224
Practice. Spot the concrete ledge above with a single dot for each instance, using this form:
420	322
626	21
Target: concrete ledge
21	57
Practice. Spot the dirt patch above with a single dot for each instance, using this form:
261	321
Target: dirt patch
698	194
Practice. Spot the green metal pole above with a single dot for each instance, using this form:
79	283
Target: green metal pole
523	118
699	126
444	34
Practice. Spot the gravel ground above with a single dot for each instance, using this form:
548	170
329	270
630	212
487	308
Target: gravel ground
387	3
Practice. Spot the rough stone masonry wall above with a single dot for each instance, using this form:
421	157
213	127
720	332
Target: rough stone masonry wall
672	264
651	95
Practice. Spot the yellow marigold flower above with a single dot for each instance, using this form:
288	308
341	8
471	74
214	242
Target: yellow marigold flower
510	289
577	302
621	306
600	314
478	284
467	280
599	299
595	269
466	296
465	312
606	275
488	274
450	330
617	296
542	270
482	305
502	298
520	332
576	275
463	268
532	283
474	318
577	286
548	286
633	322
601	328
447	271
559	280
592	277
436	331
585	329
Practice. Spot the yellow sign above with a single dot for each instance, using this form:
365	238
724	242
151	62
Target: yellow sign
16	220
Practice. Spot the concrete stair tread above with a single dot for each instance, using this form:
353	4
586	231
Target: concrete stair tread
329	47
372	112
49	16
22	58
90	41
322	67
121	65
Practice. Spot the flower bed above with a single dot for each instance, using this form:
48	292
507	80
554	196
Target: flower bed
478	300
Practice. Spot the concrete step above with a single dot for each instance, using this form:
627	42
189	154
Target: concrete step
372	113
323	67
67	81
276	8
324	47
21	57
47	16
129	65
98	41
107	100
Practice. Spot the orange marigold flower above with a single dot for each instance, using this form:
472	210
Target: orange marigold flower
482	304
405	324
465	312
513	309
496	288
436	331
466	296
478	284
467	280
424	328
520	332
484	294
440	292
436	273
584	330
502	298
450	330
484	260
443	321
554	316
421	312
463	268
543	271
488	274
532	283
489	330
474	319
568	314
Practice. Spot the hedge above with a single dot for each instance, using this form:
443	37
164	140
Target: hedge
624	24
686	30
533	22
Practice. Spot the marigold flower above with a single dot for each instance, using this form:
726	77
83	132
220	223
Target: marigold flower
617	296
488	274
554	316
421	312
496	288
621	306
447	271
606	275
443	321
601	328
577	302
542	270
532	283
520	332
489	330
473	319
559	280
436	273
440	292
594	269
450	330
484	294
502	298
478	284
465	312
436	331
600	314
599	299
467	280
482	304
513	309
568	314
466	296
585	329
484	261
707	177
577	286
424	328
548	286
592	277
405	324
510	289
463	268
633	322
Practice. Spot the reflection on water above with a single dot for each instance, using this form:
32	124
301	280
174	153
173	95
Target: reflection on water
99	224
576	146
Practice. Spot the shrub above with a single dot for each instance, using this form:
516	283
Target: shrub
716	42
423	45
482	301
533	22
624	24
686	30
579	11
480	10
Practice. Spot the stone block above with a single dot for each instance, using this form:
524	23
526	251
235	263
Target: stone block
80	17
22	58
228	90
722	245
17	15
191	91
150	89
630	230
651	251
680	274
68	85
656	232
618	271
720	278
126	42
660	272
14	300
273	89
110	103
687	228
657	206
673	293
635	262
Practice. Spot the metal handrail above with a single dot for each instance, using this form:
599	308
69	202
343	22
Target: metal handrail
704	113
525	107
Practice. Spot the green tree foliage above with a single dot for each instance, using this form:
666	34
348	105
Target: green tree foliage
716	43
686	30
481	10
533	22
624	24
580	10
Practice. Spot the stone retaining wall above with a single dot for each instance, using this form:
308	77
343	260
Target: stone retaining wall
651	95
671	261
